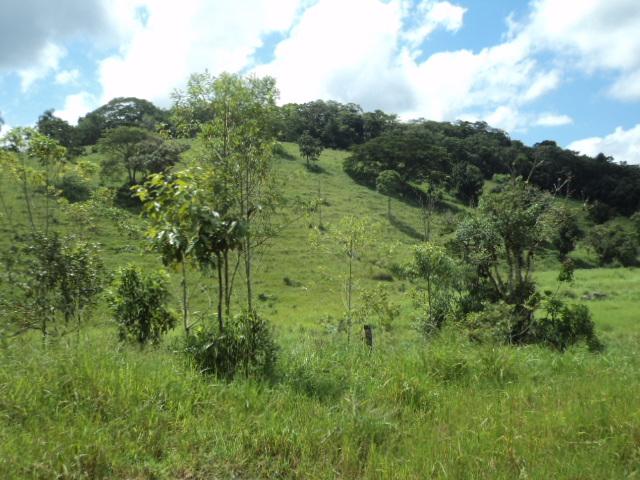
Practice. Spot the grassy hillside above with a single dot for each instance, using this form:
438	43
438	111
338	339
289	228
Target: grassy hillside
89	407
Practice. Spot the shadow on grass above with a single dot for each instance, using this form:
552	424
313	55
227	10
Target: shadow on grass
286	155
314	168
405	228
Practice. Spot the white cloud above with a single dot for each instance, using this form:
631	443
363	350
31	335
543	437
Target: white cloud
622	145
46	63
448	15
67	77
552	120
592	35
330	52
175	42
429	15
76	106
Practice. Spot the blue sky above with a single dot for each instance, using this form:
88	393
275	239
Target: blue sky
564	70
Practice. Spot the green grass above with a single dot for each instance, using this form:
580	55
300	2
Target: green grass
86	407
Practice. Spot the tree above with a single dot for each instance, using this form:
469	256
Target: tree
389	183
310	148
498	247
119	112
353	237
54	283
236	144
501	242
58	129
413	157
121	147
137	151
138	304
431	263
187	230
567	231
467	181
612	242
53	280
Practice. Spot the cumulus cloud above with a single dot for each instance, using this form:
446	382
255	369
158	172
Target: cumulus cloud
29	27
552	120
67	77
595	35
173	42
623	145
47	61
77	105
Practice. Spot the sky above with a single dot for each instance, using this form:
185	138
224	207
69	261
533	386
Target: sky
563	70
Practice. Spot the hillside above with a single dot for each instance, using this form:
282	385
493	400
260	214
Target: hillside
88	406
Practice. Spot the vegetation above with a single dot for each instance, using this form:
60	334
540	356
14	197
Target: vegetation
502	349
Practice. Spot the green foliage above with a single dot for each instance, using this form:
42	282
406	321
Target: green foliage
612	242
567	231
600	213
246	346
389	182
233	118
73	188
121	146
501	240
467	181
138	303
119	112
310	148
414	158
565	325
187	230
55	283
377	308
493	325
435	278
336	125
57	129
351	239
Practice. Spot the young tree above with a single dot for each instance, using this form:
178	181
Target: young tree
53	279
186	230
389	183
467	181
310	148
567	231
236	144
432	265
139	305
352	239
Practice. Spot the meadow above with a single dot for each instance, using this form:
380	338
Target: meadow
86	406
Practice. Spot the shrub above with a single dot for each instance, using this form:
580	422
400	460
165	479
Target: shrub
245	345
612	242
139	305
74	189
565	325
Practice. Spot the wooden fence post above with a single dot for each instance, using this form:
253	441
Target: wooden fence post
368	336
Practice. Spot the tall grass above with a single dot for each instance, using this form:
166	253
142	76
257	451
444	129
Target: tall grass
447	409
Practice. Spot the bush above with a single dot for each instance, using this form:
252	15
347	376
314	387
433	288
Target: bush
74	189
493	325
565	325
245	345
612	242
139	305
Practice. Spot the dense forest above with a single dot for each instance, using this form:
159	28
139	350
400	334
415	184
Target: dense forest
451	152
